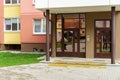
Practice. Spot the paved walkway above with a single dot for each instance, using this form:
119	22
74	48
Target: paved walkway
41	71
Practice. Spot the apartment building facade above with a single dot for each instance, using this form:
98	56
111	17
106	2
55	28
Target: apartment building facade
22	27
83	28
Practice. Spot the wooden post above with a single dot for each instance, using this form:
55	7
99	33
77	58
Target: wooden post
63	35
113	35
47	36
53	36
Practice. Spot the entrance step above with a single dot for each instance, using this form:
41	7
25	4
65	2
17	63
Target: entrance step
78	64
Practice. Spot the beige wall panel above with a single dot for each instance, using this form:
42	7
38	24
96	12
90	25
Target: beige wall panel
90	17
117	34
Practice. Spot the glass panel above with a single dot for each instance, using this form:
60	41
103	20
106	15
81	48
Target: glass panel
8	24
106	36
98	47
8	21
106	47
33	1
102	24
59	35
82	35
68	41
99	24
76	46
59	23
14	27
19	24
71	23
76	38
14	24
59	43
106	41
14	1
82	47
7	1
108	24
98	36
103	38
37	26
18	1
8	27
44	25
82	23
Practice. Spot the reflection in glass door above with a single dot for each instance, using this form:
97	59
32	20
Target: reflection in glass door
71	40
102	39
68	41
71	35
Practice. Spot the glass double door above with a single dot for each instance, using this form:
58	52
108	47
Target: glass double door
71	35
73	38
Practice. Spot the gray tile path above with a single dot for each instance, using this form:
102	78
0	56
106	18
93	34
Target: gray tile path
41	71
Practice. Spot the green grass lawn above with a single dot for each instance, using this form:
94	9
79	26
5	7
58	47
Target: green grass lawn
11	59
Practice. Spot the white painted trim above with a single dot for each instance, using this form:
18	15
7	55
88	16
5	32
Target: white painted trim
76	6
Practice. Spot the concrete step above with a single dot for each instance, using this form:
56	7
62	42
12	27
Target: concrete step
78	64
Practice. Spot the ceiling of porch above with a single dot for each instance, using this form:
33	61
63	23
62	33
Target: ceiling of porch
81	9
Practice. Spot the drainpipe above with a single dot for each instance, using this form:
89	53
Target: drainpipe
47	36
113	35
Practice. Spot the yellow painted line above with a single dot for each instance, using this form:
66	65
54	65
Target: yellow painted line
62	63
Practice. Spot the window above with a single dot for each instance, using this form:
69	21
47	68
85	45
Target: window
33	1
39	26
12	1
12	24
103	36
7	1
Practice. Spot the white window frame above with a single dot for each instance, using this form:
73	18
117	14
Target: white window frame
41	25
11	3
18	27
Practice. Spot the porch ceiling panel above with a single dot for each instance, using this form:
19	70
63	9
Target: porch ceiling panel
81	9
73	6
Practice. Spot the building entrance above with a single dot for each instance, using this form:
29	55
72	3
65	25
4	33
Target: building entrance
103	38
71	35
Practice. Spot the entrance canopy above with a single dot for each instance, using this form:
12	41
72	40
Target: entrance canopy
75	6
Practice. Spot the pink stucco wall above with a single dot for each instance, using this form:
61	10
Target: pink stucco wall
1	21
28	13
